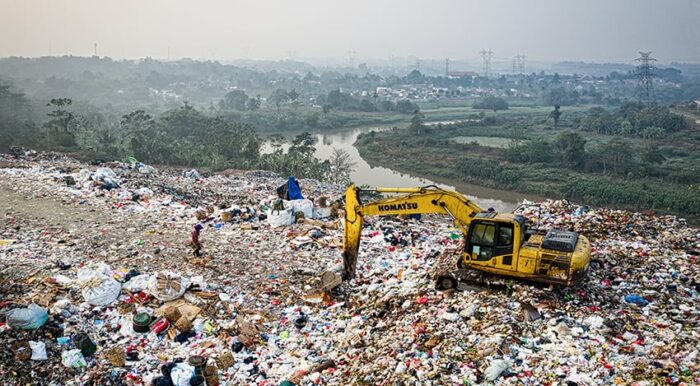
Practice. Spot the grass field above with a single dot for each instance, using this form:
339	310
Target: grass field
498	142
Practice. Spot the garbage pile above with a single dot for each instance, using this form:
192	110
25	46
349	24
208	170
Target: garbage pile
99	286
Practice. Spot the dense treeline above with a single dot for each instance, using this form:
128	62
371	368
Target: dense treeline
633	119
183	136
640	195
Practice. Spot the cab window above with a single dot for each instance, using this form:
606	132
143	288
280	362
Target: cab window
482	241
505	235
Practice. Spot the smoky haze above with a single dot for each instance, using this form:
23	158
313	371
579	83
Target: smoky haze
546	30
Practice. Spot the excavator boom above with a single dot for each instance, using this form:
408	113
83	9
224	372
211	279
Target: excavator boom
429	199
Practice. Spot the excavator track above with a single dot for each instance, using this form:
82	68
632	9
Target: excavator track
451	274
469	279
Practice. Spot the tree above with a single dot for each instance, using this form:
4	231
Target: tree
652	133
276	141
406	107
417	126
61	118
278	97
341	166
253	103
559	96
491	103
652	154
571	148
15	119
627	128
303	145
293	95
234	100
598	120
555	115
139	128
615	156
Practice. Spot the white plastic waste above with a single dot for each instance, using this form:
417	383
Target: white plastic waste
321	212
137	283
305	206
191	174
495	370
451	316
144	192
73	359
146	169
107	175
38	351
98	288
281	217
167	286
181	374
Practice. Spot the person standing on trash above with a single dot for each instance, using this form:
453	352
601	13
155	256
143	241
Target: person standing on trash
195	243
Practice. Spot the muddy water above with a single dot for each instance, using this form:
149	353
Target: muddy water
380	176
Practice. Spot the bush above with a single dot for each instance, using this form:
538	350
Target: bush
491	103
640	195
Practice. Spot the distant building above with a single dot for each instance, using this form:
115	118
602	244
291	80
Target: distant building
462	74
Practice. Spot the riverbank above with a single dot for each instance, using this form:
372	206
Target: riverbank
438	159
372	174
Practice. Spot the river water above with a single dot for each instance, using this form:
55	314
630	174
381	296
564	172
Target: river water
502	201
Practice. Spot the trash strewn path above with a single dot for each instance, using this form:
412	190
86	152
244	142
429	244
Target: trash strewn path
119	299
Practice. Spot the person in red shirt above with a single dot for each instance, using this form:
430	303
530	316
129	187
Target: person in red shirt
195	243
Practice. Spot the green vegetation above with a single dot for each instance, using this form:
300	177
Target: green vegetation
569	135
484	141
491	103
626	164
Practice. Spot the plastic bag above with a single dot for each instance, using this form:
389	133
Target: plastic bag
107	175
137	283
305	206
322	212
98	288
181	374
495	369
38	351
144	192
73	358
636	299
191	174
167	286
146	169
281	217
29	318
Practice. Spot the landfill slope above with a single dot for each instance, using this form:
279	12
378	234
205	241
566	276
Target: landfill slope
254	311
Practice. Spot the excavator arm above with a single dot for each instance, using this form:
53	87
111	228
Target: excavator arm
430	199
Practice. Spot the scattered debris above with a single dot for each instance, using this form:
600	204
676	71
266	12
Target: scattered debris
100	306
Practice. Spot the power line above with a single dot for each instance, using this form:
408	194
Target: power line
521	63
645	76
487	55
351	58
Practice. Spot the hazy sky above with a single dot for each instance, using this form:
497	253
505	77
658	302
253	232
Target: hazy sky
545	30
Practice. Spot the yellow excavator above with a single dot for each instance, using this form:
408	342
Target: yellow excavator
495	243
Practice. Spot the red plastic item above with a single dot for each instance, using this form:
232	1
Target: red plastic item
160	325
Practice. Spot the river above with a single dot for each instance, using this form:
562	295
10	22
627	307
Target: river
500	200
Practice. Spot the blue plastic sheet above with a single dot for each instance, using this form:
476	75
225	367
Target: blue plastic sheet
293	189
